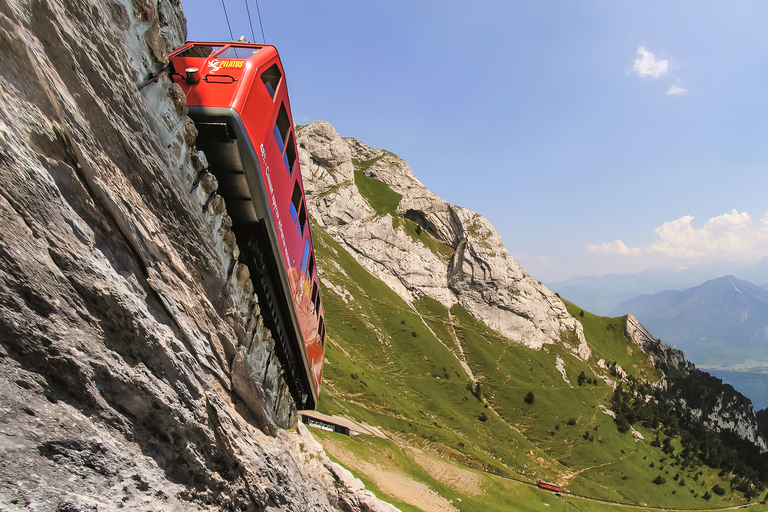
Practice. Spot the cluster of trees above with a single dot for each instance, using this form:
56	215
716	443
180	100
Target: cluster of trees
582	378
634	402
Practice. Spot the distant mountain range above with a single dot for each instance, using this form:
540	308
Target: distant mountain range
720	323
601	295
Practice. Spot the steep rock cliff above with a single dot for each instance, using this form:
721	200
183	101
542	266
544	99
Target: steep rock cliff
135	369
464	262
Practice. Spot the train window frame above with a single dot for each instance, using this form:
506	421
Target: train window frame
278	138
232	52
289	157
311	265
271	79
315	297
321	332
298	208
306	257
296	202
283	125
302	223
196	51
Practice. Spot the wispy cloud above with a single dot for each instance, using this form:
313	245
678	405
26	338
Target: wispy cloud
676	90
615	247
733	236
647	65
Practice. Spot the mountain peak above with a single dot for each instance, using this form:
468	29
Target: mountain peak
721	322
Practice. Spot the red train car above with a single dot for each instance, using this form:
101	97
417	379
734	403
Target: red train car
237	96
549	486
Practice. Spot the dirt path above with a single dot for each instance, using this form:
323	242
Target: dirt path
392	481
460	479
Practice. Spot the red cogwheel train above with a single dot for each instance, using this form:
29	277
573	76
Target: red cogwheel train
237	97
549	486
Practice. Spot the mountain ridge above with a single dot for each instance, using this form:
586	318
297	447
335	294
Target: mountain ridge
602	294
722	322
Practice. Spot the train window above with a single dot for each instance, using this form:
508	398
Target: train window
305	258
311	266
278	138
295	202
297	208
271	78
315	296
321	333
199	50
237	52
290	154
282	126
302	217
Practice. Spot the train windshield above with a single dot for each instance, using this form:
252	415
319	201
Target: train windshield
199	50
237	52
230	52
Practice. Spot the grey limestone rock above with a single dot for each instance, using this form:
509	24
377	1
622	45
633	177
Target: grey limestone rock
135	369
470	266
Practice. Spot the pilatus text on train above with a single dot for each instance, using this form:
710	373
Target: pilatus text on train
237	96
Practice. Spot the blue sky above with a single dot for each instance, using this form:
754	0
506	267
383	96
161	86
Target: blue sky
597	136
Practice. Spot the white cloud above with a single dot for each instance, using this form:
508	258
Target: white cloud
615	247
647	65
676	90
733	236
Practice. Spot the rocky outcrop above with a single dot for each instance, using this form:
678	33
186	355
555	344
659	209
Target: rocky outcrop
465	264
662	355
135	369
700	397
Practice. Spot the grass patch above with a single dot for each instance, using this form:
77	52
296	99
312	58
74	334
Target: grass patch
417	233
384	201
379	195
392	365
605	337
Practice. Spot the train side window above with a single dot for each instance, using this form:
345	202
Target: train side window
315	292
311	266
284	137
282	127
271	78
297	208
290	154
321	333
279	138
295	202
305	258
302	217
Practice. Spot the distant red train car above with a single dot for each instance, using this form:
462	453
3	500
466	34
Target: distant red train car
549	486
237	96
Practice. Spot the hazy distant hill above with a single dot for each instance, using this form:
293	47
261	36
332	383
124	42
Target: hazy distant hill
722	322
603	294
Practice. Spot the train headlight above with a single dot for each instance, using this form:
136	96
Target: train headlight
193	75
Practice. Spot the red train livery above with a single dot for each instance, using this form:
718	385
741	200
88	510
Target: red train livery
237	96
549	486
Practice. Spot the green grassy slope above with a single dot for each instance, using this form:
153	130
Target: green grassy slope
397	366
